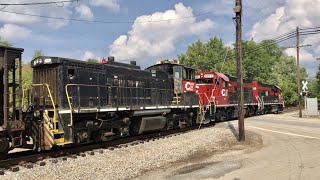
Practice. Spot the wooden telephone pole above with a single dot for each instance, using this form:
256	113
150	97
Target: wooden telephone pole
298	73
238	11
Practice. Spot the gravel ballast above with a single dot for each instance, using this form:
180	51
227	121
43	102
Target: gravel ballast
132	161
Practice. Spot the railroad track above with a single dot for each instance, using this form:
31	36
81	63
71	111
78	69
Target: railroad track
28	159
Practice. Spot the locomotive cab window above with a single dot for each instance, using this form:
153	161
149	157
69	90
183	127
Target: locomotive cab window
188	74
204	81
217	81
71	73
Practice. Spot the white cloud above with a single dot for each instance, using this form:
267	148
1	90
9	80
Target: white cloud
90	55
109	4
12	32
304	55
302	13
45	10
84	12
261	30
154	39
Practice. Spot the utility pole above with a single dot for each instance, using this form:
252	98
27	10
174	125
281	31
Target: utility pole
298	73
238	11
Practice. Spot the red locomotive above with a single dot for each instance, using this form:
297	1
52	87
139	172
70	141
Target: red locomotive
218	92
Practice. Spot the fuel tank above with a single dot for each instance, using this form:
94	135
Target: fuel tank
148	124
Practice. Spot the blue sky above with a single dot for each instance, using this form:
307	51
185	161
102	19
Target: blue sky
150	41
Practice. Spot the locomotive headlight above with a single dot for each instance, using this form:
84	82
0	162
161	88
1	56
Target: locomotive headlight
47	61
36	114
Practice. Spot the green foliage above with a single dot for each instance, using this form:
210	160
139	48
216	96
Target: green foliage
37	53
5	43
93	60
209	56
27	76
26	81
261	61
314	86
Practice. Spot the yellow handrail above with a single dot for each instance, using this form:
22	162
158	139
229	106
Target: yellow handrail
70	105
68	98
52	101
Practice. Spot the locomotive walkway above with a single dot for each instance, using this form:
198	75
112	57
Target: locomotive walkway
291	150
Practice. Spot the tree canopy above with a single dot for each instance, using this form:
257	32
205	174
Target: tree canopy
314	86
5	43
264	61
210	56
37	53
91	60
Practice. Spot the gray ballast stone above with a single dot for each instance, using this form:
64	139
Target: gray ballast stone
131	161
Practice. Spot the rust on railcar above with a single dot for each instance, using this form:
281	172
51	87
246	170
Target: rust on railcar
45	76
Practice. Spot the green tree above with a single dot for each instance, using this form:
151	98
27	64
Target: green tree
92	60
264	61
27	76
5	43
314	88
37	53
259	59
210	56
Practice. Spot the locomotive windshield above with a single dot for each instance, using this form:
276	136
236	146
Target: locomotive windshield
204	81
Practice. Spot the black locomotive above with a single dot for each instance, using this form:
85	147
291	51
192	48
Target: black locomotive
73	101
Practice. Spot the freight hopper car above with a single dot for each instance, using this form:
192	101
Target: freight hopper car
77	102
11	121
219	92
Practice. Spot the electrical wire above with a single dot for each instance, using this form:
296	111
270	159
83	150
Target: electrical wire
105	22
37	3
285	37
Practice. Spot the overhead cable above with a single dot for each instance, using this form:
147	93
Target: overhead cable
36	3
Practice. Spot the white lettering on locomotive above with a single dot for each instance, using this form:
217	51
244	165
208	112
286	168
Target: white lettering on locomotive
224	92
208	76
189	86
197	88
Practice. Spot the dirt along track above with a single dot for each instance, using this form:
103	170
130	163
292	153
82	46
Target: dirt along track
291	150
134	161
29	158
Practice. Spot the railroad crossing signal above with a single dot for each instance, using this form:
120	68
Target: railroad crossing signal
304	86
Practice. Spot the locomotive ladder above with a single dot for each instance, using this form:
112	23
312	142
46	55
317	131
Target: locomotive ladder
176	99
260	103
202	110
51	133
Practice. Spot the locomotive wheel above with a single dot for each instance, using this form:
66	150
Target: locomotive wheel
4	147
218	116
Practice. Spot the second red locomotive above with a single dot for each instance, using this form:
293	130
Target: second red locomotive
219	92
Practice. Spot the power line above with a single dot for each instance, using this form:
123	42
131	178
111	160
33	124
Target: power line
285	37
104	22
37	3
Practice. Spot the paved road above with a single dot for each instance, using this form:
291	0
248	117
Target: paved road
291	149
